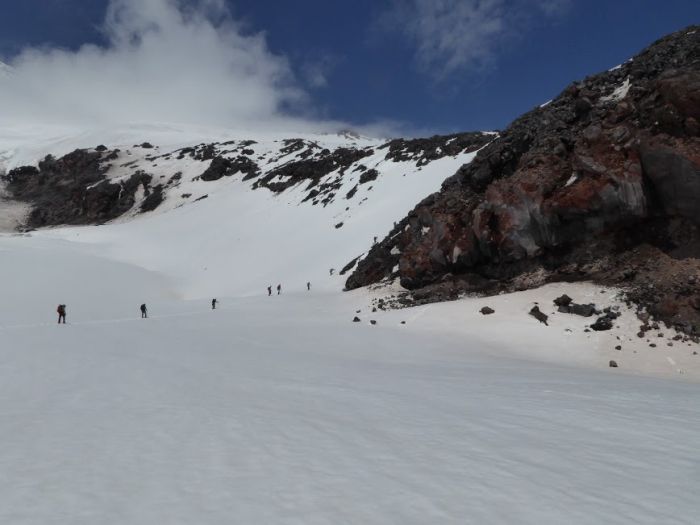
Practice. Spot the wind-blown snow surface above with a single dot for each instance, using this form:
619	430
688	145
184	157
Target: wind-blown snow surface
281	410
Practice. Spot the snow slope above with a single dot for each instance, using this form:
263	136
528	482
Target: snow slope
281	409
238	241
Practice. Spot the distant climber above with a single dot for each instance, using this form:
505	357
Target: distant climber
308	286
375	239
279	289
269	291
61	310
331	271
144	311
213	304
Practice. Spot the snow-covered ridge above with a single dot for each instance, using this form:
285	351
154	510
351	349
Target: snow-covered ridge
309	204
99	184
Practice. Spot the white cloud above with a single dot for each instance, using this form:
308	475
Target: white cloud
317	70
454	35
165	61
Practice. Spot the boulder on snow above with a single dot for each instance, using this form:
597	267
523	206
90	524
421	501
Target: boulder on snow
356	320
584	310
602	324
613	364
563	300
487	310
539	315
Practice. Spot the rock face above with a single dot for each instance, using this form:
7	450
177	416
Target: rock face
602	183
427	150
93	186
74	190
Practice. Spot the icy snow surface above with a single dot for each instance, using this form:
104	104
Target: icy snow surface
282	410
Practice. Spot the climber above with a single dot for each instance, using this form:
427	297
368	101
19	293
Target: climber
144	311
61	310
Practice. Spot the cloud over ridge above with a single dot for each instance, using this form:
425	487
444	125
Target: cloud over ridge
164	61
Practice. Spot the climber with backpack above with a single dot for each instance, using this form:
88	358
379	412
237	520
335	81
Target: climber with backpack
61	310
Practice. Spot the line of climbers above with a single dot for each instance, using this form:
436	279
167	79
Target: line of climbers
61	309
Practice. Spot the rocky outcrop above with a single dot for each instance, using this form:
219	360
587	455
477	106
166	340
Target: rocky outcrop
74	190
424	151
312	169
223	167
586	187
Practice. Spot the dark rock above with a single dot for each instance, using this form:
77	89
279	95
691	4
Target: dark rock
612	364
153	200
312	170
602	324
356	320
487	311
369	176
146	145
349	266
584	310
373	322
223	167
537	314
589	187
424	151
564	300
73	190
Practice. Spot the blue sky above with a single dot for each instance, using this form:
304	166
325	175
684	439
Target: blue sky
429	65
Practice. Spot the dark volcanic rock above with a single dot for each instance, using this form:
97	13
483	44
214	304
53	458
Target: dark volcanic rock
153	199
369	176
564	300
312	169
223	167
539	315
423	151
602	324
584	310
601	184
73	190
487	310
